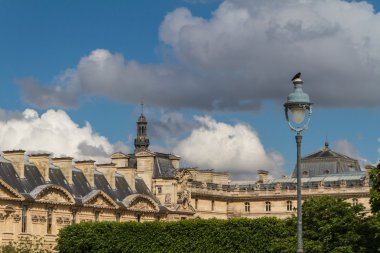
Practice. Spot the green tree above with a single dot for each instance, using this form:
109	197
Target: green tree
375	190
332	225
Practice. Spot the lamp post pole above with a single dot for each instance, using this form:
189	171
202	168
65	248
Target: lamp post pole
298	105
299	195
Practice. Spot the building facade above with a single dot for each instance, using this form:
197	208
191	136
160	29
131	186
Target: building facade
40	194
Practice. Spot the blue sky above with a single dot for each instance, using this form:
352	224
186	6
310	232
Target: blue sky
213	76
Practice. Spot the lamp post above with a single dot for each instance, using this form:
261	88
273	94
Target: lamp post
298	105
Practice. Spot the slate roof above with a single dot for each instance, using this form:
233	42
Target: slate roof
353	179
163	167
34	182
327	161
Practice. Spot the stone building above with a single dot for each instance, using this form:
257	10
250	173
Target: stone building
40	194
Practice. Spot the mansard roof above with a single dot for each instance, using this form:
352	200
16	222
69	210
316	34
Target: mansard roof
32	186
163	166
327	161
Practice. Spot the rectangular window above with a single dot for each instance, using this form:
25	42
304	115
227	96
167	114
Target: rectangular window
212	205
289	205
97	214
268	206
24	218
74	217
49	219
159	190
196	203
247	207
118	215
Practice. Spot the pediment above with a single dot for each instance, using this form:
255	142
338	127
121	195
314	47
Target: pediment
139	202
101	200
54	194
144	153
8	192
142	205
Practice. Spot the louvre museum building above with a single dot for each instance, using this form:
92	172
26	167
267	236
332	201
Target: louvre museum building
40	193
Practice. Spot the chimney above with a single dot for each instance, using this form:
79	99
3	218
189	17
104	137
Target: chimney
129	175
87	167
175	160
120	159
108	169
263	176
41	161
17	158
368	169
66	166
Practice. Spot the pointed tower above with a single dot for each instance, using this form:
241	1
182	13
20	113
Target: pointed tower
142	140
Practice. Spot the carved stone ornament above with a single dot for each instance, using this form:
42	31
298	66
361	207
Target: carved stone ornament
42	219
100	201
66	220
142	205
16	217
183	178
59	220
2	217
35	218
55	196
168	198
204	185
184	199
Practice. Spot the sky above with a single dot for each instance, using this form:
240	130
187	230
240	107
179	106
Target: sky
213	76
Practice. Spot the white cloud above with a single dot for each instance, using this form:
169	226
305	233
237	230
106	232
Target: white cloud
54	132
244	54
223	147
345	147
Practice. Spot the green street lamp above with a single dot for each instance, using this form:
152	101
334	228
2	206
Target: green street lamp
298	106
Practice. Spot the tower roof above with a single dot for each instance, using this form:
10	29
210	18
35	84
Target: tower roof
326	161
142	119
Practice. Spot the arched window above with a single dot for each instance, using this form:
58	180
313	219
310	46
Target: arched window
355	202
212	205
268	206
289	205
247	207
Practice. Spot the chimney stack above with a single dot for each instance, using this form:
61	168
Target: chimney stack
120	159
263	176
41	161
129	175
87	167
108	170
66	166
17	158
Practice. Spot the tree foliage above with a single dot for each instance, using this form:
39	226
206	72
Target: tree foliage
375	190
329	225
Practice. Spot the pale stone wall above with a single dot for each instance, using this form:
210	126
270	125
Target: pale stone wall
165	190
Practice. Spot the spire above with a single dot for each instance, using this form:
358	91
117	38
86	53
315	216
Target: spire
326	143
142	140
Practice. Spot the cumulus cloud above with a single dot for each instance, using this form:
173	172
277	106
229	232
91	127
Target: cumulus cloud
54	132
170	126
345	147
244	54
223	147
